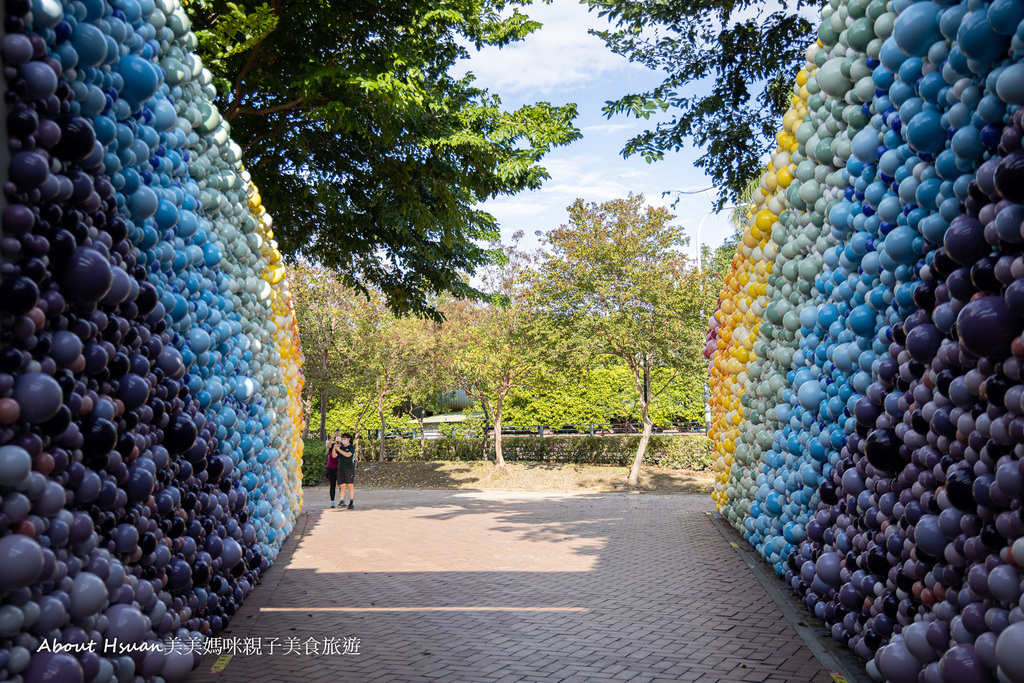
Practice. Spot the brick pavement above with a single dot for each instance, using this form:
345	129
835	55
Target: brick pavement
496	587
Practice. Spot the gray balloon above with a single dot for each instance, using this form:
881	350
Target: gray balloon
39	396
11	619
21	561
15	464
1004	583
88	595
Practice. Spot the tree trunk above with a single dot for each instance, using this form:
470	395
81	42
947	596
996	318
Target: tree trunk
638	461
323	414
423	436
323	396
487	421
499	460
383	425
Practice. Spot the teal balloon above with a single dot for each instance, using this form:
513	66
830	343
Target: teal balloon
1010	86
141	80
1005	16
864	145
925	132
891	56
899	244
966	143
144	203
978	40
949	24
917	27
91	45
862	321
46	13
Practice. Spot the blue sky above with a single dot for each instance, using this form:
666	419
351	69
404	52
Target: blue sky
562	63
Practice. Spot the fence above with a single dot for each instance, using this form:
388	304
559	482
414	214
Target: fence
685	451
458	430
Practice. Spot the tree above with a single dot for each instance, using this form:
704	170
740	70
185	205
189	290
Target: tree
616	282
322	308
371	157
747	52
390	359
489	348
423	382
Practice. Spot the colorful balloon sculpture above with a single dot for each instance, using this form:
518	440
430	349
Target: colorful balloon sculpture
149	361
866	370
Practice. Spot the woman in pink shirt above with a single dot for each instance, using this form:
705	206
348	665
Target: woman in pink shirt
333	448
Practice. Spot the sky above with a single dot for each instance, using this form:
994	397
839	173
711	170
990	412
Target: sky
562	63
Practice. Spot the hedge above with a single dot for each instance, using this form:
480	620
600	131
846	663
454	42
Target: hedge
681	452
314	460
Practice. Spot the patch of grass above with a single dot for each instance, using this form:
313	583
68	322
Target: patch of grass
527	476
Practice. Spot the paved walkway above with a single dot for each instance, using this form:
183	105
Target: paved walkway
482	587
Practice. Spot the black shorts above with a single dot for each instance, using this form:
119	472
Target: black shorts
347	475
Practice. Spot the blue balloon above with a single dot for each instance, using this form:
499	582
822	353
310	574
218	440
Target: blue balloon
925	132
978	40
917	28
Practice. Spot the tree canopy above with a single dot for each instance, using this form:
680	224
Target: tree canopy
371	157
745	52
616	280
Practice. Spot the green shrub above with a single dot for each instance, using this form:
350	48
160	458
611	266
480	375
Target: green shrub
681	452
314	460
690	452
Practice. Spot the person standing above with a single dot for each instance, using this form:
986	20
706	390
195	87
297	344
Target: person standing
333	450
347	470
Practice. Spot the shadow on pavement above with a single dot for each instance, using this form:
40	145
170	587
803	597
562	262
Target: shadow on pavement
482	586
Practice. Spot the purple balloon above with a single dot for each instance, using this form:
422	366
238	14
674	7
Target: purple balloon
126	623
87	276
39	396
965	241
133	391
923	342
29	169
41	80
231	554
961	664
897	664
987	326
54	667
17	49
827	568
87	595
929	537
21	561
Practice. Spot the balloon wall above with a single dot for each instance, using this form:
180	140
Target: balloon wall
866	355
149	362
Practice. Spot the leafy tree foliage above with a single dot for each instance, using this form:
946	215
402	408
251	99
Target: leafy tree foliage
368	153
322	311
489	348
601	392
615	281
747	52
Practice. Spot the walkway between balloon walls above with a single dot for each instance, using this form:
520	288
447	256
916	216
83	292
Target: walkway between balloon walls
866	352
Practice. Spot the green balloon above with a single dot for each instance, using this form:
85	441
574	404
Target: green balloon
860	33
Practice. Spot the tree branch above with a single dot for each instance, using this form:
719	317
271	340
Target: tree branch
238	91
269	110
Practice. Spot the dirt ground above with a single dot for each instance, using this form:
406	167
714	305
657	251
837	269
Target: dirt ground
526	477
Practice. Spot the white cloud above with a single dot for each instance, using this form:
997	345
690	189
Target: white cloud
610	128
518	207
558	58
